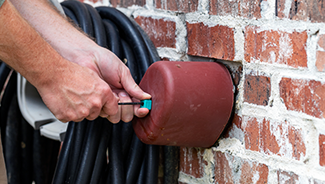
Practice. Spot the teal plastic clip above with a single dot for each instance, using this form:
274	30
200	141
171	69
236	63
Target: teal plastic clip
146	104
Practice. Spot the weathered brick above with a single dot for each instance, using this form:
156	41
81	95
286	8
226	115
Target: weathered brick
298	9
257	89
305	96
160	31
322	149
127	3
287	177
215	42
250	170
278	47
320	61
177	5
191	161
222	171
231	131
316	10
320	54
244	8
271	137
229	169
301	10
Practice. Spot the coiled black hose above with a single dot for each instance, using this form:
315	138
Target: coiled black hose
97	152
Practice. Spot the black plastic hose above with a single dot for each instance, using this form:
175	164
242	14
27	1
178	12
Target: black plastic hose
12	143
131	34
77	144
82	15
116	166
88	155
61	168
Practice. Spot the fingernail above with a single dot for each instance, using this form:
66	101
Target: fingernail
123	94
147	95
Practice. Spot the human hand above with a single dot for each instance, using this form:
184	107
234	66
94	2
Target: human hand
113	71
76	92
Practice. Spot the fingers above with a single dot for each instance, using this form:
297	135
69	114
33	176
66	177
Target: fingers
139	112
125	112
131	87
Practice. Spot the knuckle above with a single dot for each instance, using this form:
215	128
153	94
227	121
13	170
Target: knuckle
96	104
83	112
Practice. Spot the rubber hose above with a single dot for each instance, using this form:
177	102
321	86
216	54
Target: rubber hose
143	60
60	172
99	30
26	152
116	167
127	133
4	72
88	157
9	91
130	61
101	158
152	162
113	38
45	152
142	174
70	15
82	15
12	142
131	34
135	160
75	152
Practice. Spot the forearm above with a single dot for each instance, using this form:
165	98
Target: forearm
20	48
64	38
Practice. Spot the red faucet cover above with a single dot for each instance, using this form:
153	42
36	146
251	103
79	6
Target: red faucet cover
191	103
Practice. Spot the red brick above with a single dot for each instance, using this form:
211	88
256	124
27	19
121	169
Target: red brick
222	171
269	137
322	150
305	96
316	10
191	161
320	61
177	5
321	41
320	55
160	31
127	3
298	10
302	10
279	47
249	170
230	130
257	89
227	168
244	8
287	177
215	42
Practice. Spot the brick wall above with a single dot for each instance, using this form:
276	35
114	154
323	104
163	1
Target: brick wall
275	50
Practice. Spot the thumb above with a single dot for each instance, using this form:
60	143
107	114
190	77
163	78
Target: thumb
132	88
